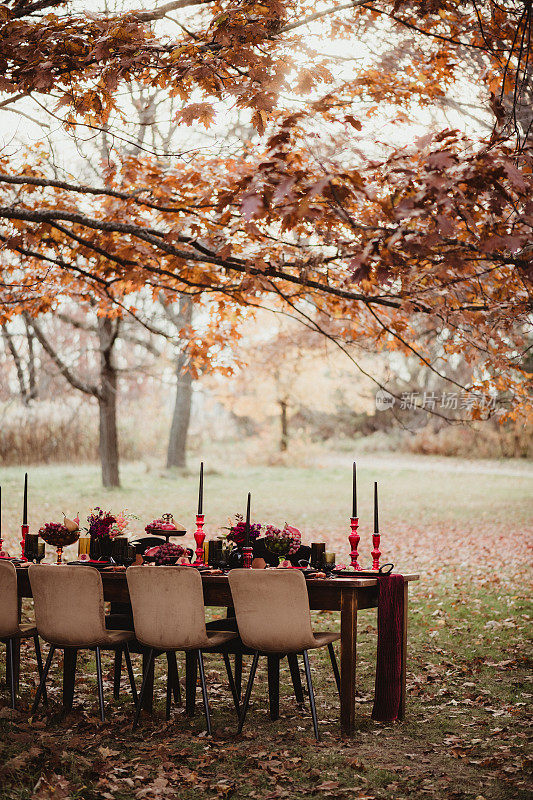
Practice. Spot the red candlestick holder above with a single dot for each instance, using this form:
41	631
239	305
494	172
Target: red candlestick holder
199	537
2	554
24	530
354	538
247	555
376	552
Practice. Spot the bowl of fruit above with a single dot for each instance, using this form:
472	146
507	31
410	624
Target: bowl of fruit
167	555
58	535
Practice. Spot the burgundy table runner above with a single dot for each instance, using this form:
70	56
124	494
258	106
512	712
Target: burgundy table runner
388	690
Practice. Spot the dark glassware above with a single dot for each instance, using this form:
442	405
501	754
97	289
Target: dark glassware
31	546
236	558
215	553
41	552
318	552
130	555
101	548
119	549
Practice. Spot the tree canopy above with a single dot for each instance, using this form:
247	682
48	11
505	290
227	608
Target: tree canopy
364	233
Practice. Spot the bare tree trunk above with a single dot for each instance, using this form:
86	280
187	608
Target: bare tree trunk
107	402
18	364
284	440
177	442
32	379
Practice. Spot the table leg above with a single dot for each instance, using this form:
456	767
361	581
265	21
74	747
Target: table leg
348	659
273	686
191	673
401	710
148	700
69	676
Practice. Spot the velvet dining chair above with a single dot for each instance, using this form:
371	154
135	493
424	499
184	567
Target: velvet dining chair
169	616
70	615
274	620
10	628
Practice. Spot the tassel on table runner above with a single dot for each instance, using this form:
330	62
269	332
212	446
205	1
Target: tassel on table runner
389	655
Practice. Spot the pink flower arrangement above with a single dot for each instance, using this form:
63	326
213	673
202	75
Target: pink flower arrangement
104	524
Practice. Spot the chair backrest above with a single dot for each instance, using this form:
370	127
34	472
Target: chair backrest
69	604
272	609
168	607
9	608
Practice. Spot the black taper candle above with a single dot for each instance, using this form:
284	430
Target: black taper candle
247	528
354	491
201	490
376	516
25	506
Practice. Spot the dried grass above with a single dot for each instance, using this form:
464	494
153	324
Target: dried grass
46	433
480	440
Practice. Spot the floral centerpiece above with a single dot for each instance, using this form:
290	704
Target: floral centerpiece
284	542
103	527
237	532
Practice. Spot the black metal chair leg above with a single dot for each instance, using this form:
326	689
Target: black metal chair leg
204	691
335	667
248	693
10	658
143	687
46	670
231	682
292	658
311	694
39	658
191	670
116	673
169	695
173	668
238	674
100	683
131	677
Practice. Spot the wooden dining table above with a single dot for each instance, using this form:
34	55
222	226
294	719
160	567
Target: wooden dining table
349	595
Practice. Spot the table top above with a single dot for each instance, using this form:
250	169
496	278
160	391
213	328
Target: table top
110	575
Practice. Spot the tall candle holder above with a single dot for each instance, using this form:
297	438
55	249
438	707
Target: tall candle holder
24	529
199	537
247	555
354	538
376	552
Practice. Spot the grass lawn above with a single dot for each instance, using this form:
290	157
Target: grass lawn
465	526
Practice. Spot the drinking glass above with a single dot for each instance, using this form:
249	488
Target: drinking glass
215	553
84	545
318	550
119	549
31	543
329	561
